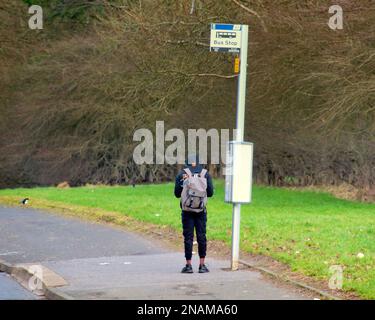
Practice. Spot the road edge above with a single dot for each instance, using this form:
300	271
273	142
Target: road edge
287	279
22	275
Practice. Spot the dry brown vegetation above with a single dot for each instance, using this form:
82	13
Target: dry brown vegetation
73	94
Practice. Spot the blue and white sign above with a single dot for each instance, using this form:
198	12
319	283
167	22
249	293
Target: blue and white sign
226	38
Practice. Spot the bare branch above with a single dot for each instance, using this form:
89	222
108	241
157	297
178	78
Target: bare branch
192	7
198	43
254	13
232	76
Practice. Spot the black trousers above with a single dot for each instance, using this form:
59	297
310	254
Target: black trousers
197	221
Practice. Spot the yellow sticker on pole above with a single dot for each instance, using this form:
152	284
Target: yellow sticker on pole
237	65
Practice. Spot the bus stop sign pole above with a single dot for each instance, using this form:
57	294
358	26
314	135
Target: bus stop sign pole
231	38
236	215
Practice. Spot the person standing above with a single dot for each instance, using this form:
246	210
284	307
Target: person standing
193	185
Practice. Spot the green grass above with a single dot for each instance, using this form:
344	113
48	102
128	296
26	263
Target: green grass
309	231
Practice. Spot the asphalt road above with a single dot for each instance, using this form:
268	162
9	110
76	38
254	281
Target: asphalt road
27	235
11	290
101	262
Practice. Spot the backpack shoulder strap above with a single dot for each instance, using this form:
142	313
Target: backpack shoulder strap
188	172
203	173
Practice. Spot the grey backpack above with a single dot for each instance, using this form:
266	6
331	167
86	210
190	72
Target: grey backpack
194	192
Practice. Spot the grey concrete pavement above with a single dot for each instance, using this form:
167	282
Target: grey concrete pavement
101	262
157	277
11	290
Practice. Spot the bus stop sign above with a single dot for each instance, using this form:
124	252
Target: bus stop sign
226	38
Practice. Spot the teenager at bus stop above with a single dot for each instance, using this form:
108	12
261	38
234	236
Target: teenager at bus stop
193	186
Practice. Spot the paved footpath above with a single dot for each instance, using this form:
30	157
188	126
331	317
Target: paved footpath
102	262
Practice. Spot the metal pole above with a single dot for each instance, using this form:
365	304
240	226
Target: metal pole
242	85
236	235
236	218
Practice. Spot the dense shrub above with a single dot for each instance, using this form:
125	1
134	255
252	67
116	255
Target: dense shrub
101	69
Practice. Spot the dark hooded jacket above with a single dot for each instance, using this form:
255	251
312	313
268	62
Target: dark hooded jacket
197	169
